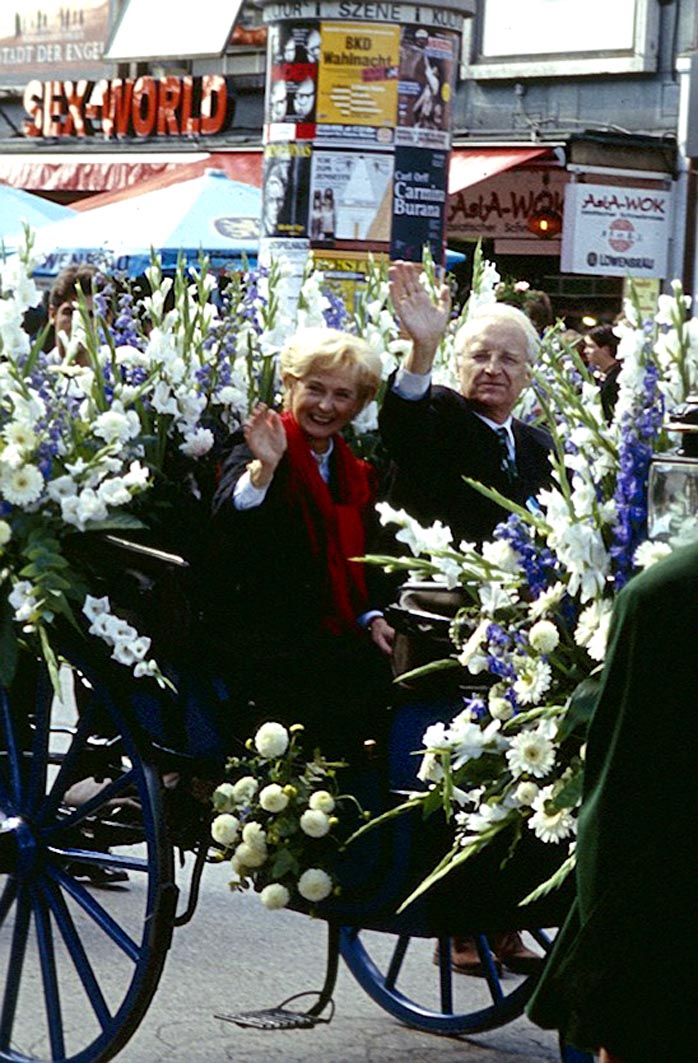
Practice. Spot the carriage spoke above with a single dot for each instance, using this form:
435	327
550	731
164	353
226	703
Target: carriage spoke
14	782
16	963
396	960
47	957
542	939
67	771
7	899
445	976
91	807
84	969
98	914
36	788
490	971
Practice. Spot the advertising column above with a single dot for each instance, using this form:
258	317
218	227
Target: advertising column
357	131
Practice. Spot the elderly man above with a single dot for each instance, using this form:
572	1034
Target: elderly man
437	436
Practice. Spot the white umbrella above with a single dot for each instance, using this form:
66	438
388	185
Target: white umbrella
18	207
210	213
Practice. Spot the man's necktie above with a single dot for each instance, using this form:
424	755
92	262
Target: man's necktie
507	462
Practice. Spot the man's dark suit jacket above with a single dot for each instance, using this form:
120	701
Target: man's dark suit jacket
437	440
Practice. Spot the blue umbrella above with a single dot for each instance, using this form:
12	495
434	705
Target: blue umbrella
210	213
18	207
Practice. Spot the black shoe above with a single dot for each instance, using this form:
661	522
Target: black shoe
94	875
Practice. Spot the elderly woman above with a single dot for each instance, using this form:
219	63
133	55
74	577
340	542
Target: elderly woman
293	508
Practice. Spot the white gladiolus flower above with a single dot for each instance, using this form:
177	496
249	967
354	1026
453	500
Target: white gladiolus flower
314	823
117	425
197	443
94	607
23	600
322	801
271	740
272	798
544	636
274	896
314	885
225	829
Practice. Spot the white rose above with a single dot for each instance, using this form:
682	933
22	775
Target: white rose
271	740
272	798
225	828
249	856
224	797
274	896
526	793
253	834
315	823
244	790
314	884
500	708
322	801
544	636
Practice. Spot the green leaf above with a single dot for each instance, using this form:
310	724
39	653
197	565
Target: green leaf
8	643
284	863
580	708
428	669
552	883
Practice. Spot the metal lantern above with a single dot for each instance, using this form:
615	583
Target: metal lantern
673	480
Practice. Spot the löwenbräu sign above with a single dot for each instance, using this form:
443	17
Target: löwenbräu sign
125	107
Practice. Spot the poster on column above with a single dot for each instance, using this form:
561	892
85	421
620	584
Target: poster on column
345	272
286	178
358	83
351	195
425	88
292	65
420	194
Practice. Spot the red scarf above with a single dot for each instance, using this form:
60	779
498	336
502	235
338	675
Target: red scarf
335	529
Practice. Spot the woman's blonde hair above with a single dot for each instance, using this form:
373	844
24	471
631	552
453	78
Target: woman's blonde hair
321	350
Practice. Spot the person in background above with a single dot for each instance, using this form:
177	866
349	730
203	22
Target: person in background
600	347
63	304
293	507
437	436
621	978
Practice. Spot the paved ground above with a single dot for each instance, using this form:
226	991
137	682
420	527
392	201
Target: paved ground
235	955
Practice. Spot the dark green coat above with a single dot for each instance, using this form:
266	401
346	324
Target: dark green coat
624	969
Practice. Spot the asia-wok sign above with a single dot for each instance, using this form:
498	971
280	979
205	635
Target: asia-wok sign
616	231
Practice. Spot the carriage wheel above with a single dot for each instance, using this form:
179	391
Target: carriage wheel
79	962
402	975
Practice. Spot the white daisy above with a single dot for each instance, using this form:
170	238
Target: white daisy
550	825
23	486
533	680
532	753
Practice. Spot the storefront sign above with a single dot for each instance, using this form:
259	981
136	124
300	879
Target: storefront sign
54	37
501	206
616	231
122	107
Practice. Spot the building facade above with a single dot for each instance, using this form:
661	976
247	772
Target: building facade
98	96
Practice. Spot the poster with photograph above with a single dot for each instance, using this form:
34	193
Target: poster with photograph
358	82
286	180
420	194
293	53
351	195
427	72
345	272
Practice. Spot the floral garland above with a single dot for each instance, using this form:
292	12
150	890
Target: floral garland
539	596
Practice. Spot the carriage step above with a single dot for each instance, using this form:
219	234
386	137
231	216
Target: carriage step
280	1018
272	1019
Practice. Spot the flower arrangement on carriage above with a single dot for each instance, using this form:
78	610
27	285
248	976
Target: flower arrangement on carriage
106	440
